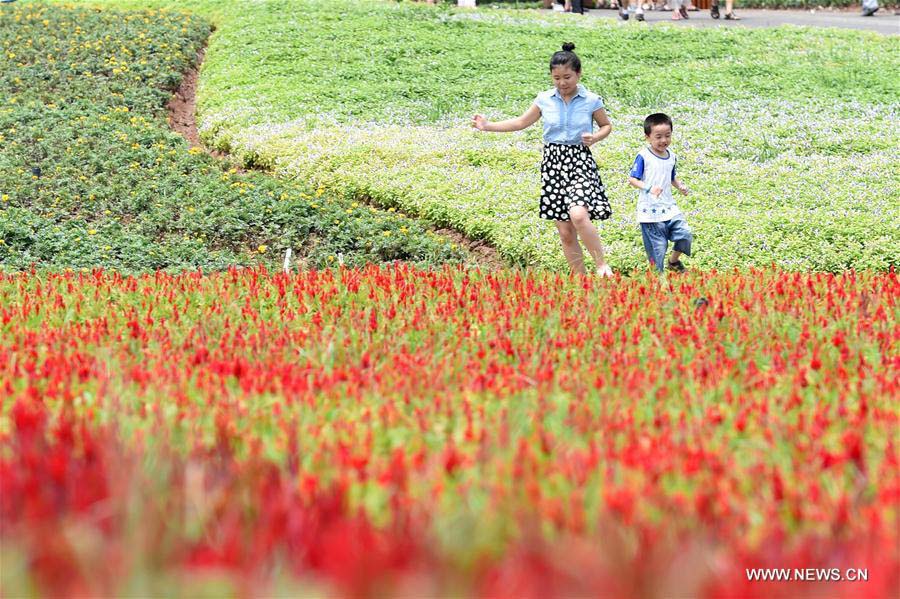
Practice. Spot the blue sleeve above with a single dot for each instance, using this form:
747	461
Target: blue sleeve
597	105
673	169
637	170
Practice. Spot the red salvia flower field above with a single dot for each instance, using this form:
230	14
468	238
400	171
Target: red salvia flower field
401	431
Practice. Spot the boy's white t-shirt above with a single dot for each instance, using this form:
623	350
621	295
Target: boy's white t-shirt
659	172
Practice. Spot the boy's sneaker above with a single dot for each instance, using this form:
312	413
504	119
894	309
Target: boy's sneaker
676	266
639	15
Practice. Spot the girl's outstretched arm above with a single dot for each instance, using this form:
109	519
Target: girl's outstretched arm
528	118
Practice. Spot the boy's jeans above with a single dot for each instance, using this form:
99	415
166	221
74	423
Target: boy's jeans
657	236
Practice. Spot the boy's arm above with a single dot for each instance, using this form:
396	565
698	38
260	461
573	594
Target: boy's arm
636	176
653	190
676	182
528	118
635	182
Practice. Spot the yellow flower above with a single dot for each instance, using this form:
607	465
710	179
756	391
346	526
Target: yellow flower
262	249
92	231
5	198
386	234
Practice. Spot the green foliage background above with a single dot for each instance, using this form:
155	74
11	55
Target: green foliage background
783	134
91	175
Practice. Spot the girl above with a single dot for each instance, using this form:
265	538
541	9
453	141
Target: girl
571	191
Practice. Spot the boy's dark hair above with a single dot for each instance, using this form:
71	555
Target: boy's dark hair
657	118
566	58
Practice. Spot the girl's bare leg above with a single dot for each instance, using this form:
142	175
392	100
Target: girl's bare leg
588	234
571	248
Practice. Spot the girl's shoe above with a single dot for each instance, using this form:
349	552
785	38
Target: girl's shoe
604	272
730	16
683	12
714	10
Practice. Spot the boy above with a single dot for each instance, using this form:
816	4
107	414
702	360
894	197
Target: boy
654	174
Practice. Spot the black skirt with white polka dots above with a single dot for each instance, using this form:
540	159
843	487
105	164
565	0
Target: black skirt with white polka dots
569	177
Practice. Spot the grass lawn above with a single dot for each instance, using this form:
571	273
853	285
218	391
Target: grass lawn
783	134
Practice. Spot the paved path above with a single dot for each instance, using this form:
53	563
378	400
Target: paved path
884	21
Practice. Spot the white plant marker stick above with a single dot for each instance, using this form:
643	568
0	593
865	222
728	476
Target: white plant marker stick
287	261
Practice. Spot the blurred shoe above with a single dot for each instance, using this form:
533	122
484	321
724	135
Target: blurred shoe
639	16
730	16
683	12
676	266
868	12
714	10
623	14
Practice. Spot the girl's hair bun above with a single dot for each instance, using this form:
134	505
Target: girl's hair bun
568	47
